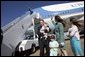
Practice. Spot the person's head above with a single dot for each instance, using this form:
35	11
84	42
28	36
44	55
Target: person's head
74	22
59	19
37	15
52	37
42	22
21	49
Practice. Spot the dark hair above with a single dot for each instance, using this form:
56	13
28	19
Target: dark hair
42	20
46	31
21	48
73	21
59	19
51	36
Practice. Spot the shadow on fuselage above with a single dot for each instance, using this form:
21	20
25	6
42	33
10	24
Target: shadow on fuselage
5	50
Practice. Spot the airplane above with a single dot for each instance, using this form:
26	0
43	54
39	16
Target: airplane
14	32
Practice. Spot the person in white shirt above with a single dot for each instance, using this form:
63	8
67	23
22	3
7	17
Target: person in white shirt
53	45
74	38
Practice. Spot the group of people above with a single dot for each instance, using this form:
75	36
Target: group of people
56	41
53	42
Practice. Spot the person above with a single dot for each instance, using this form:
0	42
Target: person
43	30
73	33
21	52
36	22
59	32
53	45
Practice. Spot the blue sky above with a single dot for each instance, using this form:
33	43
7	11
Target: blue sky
10	10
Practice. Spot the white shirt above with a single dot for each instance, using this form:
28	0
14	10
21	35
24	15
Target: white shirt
53	44
74	31
42	31
53	47
43	28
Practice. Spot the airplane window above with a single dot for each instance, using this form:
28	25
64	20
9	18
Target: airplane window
63	12
68	11
48	15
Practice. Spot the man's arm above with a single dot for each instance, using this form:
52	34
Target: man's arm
52	21
61	32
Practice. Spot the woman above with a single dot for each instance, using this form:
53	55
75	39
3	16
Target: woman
74	38
59	31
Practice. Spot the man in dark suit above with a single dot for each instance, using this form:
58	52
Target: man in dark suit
43	38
